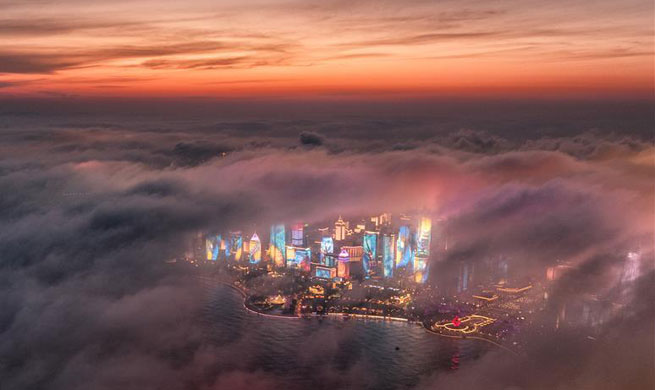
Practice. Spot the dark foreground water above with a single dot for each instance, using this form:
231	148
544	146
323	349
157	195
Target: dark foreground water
330	353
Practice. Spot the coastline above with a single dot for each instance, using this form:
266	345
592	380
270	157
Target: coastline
244	294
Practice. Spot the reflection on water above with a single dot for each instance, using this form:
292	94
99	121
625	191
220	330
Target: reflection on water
331	353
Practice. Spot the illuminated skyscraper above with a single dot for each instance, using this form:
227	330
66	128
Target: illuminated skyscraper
369	243
227	249
255	249
327	247
237	245
277	245
381	220
212	245
423	238
388	253
404	251
330	260
343	266
340	230
297	238
290	254
304	259
245	249
301	258
209	248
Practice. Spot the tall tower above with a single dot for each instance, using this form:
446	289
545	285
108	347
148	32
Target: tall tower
423	238
237	245
388	254
404	251
343	266
327	247
277	246
369	244
297	237
255	249
340	230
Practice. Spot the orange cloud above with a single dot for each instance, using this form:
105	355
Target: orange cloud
359	49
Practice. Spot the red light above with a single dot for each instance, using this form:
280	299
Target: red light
456	321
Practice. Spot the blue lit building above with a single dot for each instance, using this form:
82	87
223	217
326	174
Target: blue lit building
369	244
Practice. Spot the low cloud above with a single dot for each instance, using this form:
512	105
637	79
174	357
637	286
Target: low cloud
92	209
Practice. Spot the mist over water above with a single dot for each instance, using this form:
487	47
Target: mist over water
301	351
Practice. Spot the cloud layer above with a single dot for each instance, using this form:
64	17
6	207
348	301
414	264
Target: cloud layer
92	208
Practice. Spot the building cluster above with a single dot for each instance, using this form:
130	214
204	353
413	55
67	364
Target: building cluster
383	246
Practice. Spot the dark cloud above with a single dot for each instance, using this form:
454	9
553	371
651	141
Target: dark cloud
190	154
311	138
31	61
35	63
35	27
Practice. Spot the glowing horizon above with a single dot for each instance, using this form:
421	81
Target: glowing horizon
361	49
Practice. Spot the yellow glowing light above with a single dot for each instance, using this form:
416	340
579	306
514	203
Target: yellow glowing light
514	290
488	299
469	324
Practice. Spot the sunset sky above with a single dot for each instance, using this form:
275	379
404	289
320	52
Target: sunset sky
327	48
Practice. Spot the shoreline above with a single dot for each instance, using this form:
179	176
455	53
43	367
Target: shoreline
342	315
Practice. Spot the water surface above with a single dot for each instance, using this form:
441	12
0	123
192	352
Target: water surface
330	353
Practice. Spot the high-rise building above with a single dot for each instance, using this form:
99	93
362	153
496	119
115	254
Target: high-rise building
343	266
327	247
340	229
301	258
354	252
423	237
421	259
376	221
404	251
330	260
297	236
277	246
227	248
255	249
236	245
383	219
290	254
221	249
369	244
245	249
212	246
388	254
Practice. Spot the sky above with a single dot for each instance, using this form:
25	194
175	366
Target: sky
328	49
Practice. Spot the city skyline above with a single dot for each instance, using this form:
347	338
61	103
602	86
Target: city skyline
320	246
